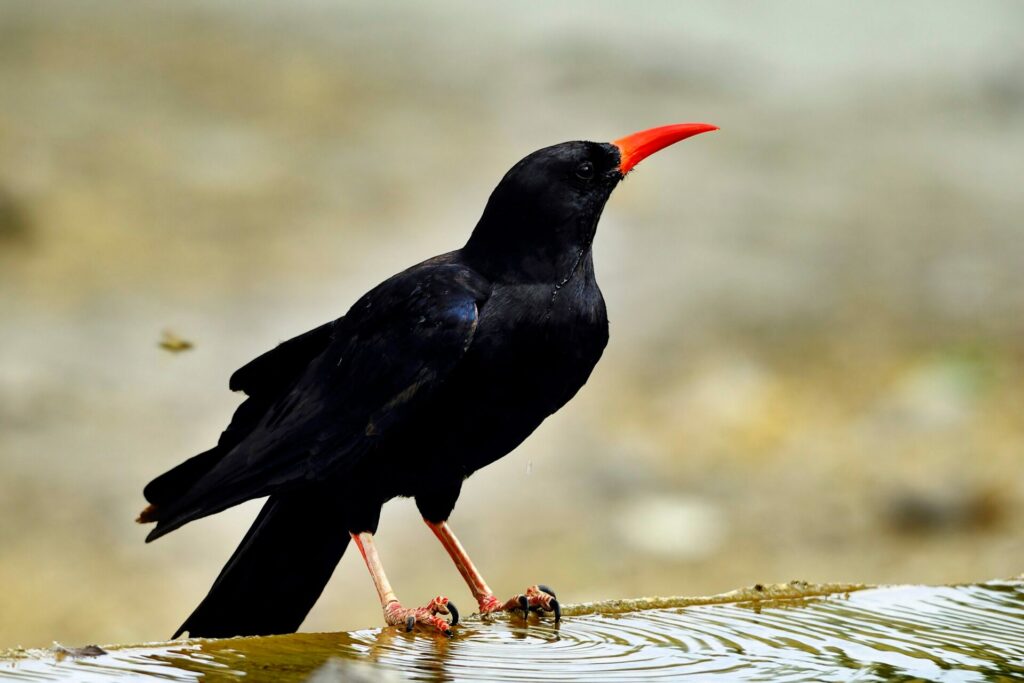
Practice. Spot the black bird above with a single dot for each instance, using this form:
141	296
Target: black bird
433	374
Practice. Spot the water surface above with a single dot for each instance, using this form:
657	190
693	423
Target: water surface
963	633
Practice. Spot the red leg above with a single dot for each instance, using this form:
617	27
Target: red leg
538	597
394	613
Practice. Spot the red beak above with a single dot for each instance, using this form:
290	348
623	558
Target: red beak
638	146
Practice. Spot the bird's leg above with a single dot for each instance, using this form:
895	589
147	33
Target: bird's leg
535	598
394	613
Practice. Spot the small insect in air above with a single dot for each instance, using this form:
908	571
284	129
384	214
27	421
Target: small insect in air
173	343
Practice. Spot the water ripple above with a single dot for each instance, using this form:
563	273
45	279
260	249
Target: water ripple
965	633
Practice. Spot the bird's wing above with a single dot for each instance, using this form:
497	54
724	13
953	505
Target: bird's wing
392	351
272	371
264	379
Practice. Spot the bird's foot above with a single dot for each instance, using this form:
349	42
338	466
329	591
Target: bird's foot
537	598
396	615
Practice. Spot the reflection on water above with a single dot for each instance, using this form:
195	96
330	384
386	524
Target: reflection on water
963	633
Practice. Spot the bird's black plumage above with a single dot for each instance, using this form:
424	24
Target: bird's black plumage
433	374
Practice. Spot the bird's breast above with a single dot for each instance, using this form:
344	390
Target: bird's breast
539	328
532	351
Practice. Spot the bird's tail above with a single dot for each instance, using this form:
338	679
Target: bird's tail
278	571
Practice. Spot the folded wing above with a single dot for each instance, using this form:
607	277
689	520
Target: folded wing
379	366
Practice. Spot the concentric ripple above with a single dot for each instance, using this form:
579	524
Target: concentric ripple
966	633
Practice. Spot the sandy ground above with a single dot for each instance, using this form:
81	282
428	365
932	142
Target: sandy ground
815	364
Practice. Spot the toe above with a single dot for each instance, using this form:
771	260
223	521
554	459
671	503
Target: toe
430	615
557	609
540	597
442	605
537	598
544	589
434	621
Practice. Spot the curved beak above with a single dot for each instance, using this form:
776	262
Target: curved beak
636	147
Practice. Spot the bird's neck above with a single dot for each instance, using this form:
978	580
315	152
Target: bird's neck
527	251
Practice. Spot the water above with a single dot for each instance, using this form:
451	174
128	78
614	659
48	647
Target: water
964	633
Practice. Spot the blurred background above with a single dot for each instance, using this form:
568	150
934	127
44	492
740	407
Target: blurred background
817	313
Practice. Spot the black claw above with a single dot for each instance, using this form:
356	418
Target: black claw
557	609
524	603
542	587
410	621
454	612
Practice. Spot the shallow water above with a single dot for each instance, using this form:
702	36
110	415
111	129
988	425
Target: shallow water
964	633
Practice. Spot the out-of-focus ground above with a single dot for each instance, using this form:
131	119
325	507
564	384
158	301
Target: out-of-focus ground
816	361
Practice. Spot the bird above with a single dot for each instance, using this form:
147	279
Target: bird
432	375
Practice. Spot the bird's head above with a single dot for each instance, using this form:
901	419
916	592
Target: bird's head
541	218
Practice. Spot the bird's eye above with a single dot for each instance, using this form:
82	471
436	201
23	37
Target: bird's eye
585	171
